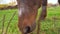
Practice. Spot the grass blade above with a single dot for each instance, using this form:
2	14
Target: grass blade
9	22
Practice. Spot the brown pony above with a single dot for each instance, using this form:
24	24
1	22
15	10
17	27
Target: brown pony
27	14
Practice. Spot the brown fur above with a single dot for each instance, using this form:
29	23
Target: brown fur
59	2
28	15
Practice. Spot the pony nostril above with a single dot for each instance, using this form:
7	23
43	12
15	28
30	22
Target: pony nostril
27	29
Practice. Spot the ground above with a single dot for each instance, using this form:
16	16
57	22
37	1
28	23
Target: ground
51	25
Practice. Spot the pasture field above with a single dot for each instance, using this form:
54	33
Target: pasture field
51	25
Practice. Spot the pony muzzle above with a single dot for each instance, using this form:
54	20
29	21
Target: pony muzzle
27	29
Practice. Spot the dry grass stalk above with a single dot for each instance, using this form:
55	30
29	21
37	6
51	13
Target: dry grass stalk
3	24
9	22
38	28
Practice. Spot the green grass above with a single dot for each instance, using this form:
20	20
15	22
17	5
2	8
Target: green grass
51	25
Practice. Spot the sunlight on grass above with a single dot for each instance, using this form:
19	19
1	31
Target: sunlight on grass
51	25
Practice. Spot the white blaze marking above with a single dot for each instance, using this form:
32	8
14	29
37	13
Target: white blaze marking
21	10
